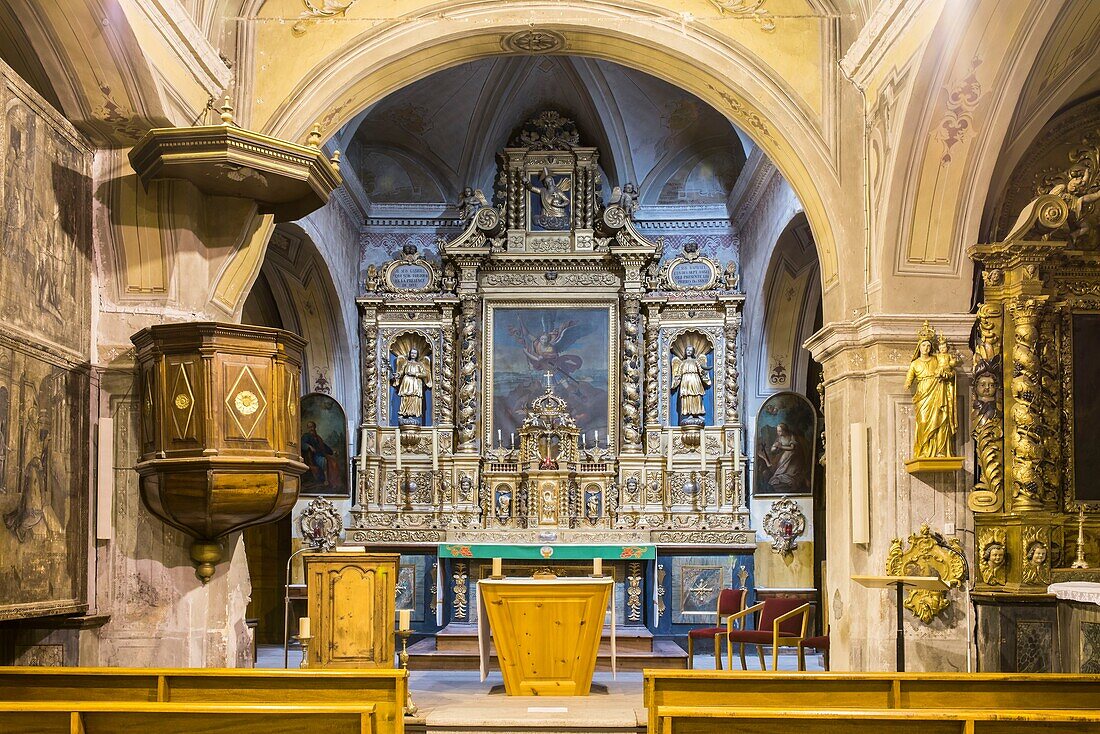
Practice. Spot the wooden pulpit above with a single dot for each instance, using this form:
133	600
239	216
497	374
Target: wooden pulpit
351	597
546	631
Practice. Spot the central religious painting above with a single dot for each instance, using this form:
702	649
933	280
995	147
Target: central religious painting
569	345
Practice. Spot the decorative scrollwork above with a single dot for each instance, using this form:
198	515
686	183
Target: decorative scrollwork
929	554
785	523
319	525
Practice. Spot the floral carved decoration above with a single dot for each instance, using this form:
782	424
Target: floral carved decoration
929	554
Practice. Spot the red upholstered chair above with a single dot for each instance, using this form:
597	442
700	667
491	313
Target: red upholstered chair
730	601
778	622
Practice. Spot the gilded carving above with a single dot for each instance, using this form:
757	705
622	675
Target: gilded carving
733	385
634	592
992	556
632	376
785	523
988	409
460	611
1027	443
929	554
467	390
1036	555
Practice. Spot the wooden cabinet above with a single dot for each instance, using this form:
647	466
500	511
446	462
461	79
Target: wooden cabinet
351	609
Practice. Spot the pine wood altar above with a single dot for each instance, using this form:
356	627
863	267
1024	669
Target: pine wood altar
547	632
351	604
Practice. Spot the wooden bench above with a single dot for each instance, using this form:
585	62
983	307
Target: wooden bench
383	689
143	717
704	691
746	720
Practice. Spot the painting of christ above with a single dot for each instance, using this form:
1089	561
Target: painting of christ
570	345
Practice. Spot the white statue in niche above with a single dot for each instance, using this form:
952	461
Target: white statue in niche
689	376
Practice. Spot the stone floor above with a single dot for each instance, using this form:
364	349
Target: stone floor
458	702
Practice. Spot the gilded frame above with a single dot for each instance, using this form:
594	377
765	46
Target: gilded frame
613	366
1065	343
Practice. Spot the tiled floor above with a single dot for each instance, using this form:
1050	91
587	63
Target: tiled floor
458	702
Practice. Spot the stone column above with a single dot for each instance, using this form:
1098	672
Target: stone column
865	362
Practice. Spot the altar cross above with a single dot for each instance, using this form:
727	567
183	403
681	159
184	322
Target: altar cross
548	375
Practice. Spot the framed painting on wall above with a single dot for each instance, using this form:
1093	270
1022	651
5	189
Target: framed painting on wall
324	446
786	435
573	345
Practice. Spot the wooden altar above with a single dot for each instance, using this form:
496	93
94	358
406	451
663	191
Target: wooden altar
546	631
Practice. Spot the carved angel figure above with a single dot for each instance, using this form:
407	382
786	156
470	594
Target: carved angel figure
1081	193
469	202
554	194
689	376
626	197
412	375
542	350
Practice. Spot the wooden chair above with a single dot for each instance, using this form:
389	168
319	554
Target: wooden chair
818	642
730	601
777	624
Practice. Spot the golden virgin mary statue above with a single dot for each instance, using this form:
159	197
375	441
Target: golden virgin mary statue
931	376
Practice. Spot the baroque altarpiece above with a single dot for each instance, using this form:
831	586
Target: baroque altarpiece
1036	387
553	379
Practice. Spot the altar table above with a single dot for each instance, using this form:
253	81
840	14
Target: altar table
547	632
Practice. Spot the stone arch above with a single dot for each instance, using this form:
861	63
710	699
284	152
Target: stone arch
722	73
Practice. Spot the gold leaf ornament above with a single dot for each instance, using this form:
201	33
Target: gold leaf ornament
246	402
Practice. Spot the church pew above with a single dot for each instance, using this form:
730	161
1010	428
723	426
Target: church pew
384	688
701	690
753	720
142	717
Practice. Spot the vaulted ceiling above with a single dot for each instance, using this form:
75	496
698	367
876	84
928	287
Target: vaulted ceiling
425	142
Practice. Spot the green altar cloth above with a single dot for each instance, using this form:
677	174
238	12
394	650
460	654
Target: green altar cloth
548	551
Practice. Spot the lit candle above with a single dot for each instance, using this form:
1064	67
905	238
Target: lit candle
498	570
597	438
398	435
513	440
498	437
363	446
597	566
584	440
435	450
404	619
303	627
668	448
702	452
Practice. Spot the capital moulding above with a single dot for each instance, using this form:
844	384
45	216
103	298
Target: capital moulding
894	329
285	179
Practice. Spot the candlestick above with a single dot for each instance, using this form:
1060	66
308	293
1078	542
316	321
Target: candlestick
1080	561
498	571
435	450
303	627
404	619
702	451
305	650
363	447
668	448
403	656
